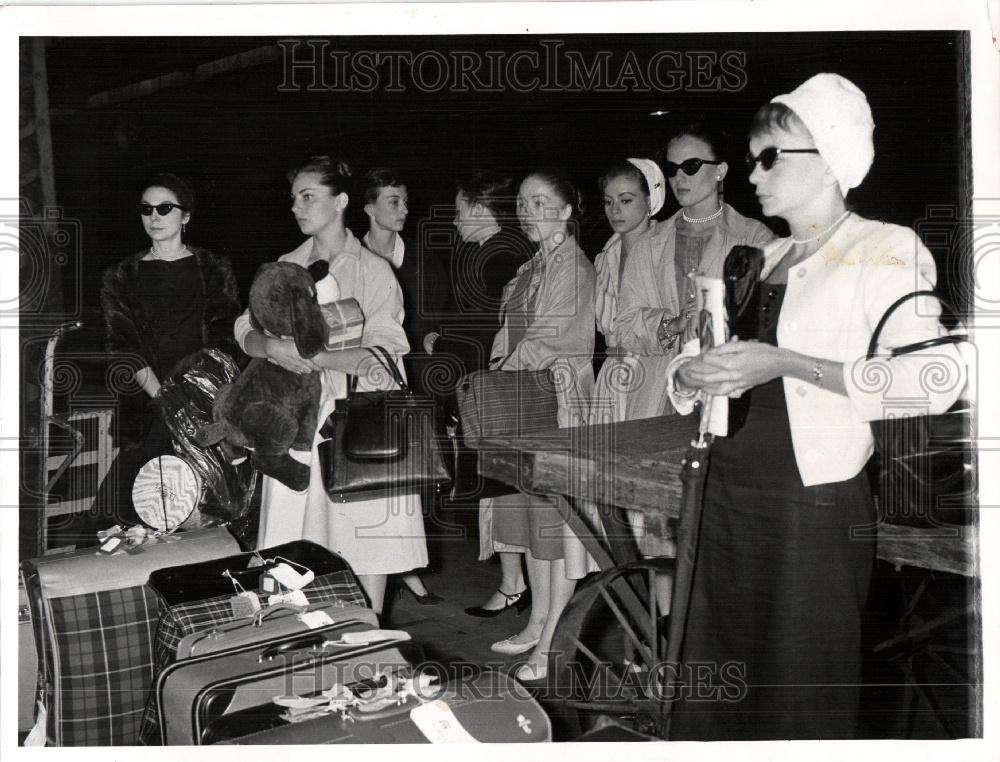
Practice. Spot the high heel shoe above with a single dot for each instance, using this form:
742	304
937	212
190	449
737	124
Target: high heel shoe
428	599
518	601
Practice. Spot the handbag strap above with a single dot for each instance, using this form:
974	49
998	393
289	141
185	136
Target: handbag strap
385	360
499	365
916	346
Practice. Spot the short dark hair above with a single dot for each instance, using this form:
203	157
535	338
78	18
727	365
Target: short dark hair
627	169
559	180
378	178
174	184
775	116
716	139
334	173
491	189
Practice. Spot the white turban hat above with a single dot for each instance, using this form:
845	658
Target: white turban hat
838	117
655	181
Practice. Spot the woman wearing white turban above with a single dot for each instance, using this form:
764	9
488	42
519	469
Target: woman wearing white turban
780	579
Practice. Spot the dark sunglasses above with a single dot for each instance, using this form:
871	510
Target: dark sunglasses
769	155
690	166
161	209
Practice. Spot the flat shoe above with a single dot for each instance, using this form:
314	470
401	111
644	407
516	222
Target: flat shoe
509	648
529	673
518	601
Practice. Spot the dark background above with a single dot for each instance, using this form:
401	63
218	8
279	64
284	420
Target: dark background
226	126
234	135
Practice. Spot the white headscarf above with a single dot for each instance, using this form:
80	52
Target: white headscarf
838	117
654	180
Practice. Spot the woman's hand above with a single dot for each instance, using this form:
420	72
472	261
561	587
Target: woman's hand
429	340
736	366
733	368
147	379
283	352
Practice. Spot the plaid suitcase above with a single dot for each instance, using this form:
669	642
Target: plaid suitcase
505	402
94	618
193	694
195	599
491	708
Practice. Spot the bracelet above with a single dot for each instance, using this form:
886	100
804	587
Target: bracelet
677	391
817	371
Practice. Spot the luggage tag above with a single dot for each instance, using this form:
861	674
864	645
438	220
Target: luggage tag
315	619
244	603
110	545
439	724
364	637
282	575
295	597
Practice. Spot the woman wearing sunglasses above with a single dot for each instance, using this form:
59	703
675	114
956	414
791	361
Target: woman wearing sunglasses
377	537
160	305
657	291
780	577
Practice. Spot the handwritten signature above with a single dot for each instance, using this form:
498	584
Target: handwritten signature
882	258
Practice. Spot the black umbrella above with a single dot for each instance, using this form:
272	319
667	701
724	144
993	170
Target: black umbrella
742	274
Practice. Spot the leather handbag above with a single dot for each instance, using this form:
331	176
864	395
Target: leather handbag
380	443
923	471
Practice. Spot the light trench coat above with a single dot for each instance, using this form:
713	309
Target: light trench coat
560	336
634	385
382	536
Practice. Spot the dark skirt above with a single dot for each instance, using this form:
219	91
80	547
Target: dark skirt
779	587
530	521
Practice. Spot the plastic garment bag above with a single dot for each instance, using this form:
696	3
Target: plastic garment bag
185	402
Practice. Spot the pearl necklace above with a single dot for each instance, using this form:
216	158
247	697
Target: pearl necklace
154	255
709	218
823	232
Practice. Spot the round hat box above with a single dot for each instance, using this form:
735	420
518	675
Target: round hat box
166	492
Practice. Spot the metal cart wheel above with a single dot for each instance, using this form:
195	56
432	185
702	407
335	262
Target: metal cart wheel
609	651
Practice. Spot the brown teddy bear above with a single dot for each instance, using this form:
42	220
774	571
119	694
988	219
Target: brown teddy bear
269	409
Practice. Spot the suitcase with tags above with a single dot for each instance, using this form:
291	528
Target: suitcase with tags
196	597
194	693
93	618
196	606
270	624
490	708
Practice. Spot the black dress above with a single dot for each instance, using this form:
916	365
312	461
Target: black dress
478	274
172	299
423	282
779	586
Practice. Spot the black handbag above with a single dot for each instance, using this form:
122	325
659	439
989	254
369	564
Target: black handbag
380	443
924	469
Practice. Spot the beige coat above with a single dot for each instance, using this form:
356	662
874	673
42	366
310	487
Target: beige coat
635	387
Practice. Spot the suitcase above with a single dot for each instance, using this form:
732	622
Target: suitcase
93	618
195	601
27	665
195	597
194	693
269	624
491	708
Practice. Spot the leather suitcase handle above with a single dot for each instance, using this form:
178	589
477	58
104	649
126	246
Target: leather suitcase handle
302	644
260	616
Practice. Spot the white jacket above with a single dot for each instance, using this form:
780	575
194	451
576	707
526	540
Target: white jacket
833	301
